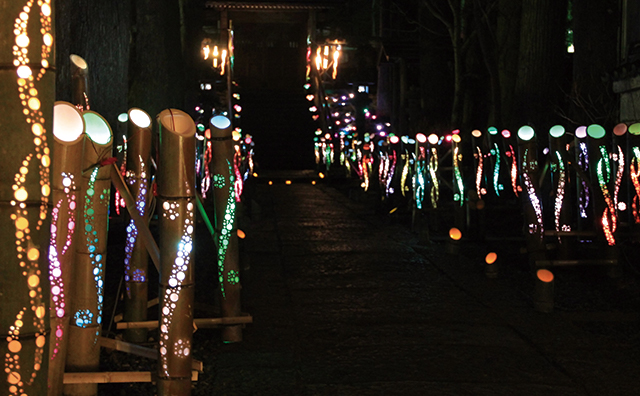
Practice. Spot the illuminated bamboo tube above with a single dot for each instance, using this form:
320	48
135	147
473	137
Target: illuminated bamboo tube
634	170
531	202
27	91
176	195
79	82
602	172
225	225
91	253
583	189
560	177
136	257
66	172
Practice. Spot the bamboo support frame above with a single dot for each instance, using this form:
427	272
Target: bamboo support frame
66	172
136	258
110	377
199	323
27	91
176	195
79	82
91	249
225	224
149	353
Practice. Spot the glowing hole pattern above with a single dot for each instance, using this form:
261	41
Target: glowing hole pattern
405	174
609	219
132	231
479	190
514	171
497	187
433	169
457	158
206	180
419	179
176	283
226	231
584	193
634	172
27	253
55	268
237	161
560	190
530	165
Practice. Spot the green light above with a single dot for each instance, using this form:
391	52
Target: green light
123	117
526	133
634	129
556	131
200	127
595	131
493	130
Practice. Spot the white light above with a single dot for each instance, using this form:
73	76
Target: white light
139	118
68	124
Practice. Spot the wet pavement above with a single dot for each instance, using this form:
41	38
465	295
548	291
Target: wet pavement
347	300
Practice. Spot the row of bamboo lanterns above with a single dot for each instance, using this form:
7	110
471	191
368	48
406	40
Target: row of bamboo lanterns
60	221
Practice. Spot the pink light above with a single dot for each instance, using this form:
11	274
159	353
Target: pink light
581	132
448	138
455	131
394	139
421	138
506	134
248	140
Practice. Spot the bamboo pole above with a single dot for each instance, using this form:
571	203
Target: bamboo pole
149	353
136	260
532	205
225	225
176	195
199	323
91	250
66	172
79	82
27	91
110	377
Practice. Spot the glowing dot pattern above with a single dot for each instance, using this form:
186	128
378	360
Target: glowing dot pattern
91	239
419	180
479	168
83	318
205	184
634	173
584	193
514	171
457	158
619	173
233	277
219	181
609	218
560	190
433	169
175	285
538	227
132	230
27	253
497	186
404	176
237	161
226	231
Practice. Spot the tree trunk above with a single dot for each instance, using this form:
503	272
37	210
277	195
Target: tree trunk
540	63
508	44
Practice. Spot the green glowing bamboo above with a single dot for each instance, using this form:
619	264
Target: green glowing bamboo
224	207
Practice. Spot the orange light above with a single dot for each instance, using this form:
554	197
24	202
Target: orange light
476	133
270	182
421	138
491	258
313	182
241	234
321	175
455	234
287	182
433	138
545	275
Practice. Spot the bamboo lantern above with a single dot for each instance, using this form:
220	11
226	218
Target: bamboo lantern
66	171
606	182
136	257
560	176
531	198
225	211
27	90
79	82
176	196
634	171
583	189
91	252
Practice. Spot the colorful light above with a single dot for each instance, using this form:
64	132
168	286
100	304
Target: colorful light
433	169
